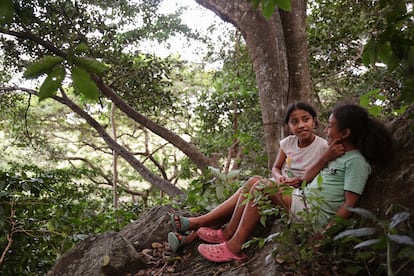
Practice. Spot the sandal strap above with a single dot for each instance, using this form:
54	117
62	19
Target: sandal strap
174	242
184	222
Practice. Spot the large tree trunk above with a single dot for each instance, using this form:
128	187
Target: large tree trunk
278	50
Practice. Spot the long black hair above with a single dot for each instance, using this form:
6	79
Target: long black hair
369	135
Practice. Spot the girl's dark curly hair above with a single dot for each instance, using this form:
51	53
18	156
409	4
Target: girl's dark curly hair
369	135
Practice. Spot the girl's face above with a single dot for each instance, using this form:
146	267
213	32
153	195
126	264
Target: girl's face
332	131
301	124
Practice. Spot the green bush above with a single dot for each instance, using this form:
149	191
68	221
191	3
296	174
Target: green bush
44	213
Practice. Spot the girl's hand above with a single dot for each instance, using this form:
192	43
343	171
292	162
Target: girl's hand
294	181
336	149
280	179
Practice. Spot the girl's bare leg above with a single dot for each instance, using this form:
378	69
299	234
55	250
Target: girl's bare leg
222	213
249	219
234	222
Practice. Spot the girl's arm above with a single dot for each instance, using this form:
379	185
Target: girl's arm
351	200
335	150
277	166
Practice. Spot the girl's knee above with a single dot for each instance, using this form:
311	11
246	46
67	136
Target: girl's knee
251	181
254	179
263	185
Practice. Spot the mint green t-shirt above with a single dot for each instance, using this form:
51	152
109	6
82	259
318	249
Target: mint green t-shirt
348	172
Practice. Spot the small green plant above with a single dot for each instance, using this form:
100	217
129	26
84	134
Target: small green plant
291	241
383	236
212	188
43	213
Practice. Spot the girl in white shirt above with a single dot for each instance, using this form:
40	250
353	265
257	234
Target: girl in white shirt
297	151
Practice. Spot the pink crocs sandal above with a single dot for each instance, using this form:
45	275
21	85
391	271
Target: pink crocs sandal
219	253
211	235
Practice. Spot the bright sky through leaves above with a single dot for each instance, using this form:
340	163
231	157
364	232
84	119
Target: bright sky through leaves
197	18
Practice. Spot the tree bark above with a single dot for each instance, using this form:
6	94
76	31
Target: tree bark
278	51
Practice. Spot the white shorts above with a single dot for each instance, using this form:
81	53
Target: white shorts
297	202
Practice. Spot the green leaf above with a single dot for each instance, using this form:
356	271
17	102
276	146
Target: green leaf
393	62
261	243
353	269
367	243
220	191
42	66
284	4
397	218
263	220
83	83
90	65
375	110
364	213
82	47
320	180
384	52
6	12
233	174
268	8
222	176
365	231
406	252
364	100
369	54
397	10
50	226
401	239
51	84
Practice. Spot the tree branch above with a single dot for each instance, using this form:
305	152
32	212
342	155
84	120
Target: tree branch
9	236
26	35
161	183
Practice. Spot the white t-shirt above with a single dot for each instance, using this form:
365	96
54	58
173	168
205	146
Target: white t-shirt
298	159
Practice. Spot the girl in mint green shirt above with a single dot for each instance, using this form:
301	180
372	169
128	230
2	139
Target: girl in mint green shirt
363	141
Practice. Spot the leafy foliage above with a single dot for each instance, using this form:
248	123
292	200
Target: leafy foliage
43	213
83	83
293	229
268	6
229	111
207	192
393	44
87	39
52	83
6	12
44	66
349	58
384	235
